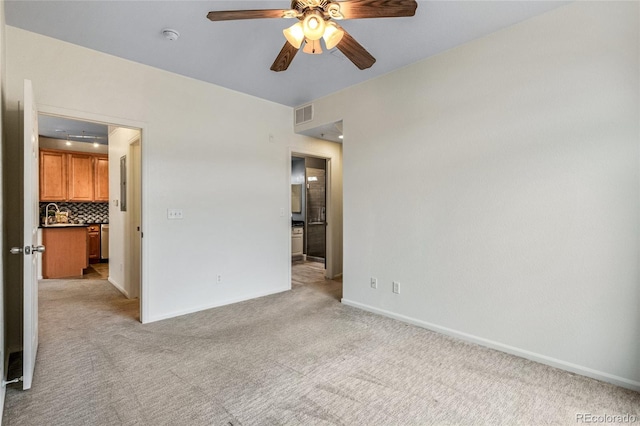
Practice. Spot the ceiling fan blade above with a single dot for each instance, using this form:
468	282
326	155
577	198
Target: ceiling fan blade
228	15
284	58
355	52
358	9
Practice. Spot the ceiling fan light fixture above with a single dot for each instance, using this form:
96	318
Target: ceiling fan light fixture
332	35
313	25
294	35
312	47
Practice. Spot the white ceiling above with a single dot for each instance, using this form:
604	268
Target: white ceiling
72	130
238	54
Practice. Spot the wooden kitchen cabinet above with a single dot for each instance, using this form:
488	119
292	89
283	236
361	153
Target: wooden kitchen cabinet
66	253
101	178
93	243
81	174
53	176
73	176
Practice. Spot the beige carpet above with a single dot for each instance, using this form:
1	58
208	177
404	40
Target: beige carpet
298	357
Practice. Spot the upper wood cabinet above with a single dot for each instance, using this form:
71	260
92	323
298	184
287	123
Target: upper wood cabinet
73	176
102	179
81	177
53	176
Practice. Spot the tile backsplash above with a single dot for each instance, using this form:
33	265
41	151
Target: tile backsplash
82	212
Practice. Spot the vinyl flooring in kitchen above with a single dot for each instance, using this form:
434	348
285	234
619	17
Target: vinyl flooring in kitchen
96	271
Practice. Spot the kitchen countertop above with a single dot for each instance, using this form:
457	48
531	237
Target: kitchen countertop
64	225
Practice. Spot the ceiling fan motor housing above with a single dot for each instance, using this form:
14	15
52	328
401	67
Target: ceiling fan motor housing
304	5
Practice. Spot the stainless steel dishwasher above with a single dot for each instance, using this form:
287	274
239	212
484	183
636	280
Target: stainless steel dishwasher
104	241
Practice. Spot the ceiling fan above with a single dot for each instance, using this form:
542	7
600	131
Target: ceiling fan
316	20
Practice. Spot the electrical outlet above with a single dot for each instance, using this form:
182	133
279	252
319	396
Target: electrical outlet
174	214
396	287
374	282
219	279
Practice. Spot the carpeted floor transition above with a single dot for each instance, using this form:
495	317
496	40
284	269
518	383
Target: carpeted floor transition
298	357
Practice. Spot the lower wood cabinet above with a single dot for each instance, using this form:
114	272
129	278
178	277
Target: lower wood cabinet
93	243
66	252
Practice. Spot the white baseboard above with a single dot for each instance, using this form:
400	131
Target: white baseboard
542	359
215	305
119	287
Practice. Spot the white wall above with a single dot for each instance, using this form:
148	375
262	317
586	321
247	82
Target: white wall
206	150
498	182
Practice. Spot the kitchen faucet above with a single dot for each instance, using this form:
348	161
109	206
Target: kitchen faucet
46	212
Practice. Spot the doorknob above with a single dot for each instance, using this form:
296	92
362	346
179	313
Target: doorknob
27	250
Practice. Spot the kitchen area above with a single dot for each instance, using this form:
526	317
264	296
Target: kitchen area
74	198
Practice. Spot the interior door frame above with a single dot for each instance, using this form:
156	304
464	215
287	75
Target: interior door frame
144	132
301	152
134	241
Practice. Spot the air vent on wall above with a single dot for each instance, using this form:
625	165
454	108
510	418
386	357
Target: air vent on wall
304	114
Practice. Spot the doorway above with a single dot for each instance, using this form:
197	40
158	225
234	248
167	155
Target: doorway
113	215
316	209
309	199
312	217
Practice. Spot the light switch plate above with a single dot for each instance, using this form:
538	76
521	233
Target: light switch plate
174	214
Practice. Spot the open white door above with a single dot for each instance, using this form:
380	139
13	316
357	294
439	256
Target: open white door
31	248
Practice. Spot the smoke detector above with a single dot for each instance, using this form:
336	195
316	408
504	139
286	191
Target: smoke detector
169	34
